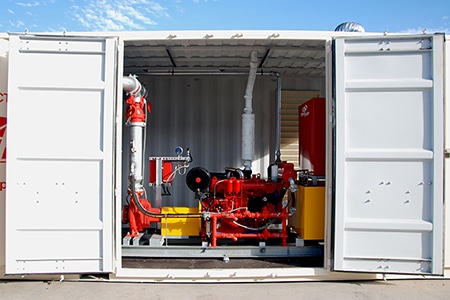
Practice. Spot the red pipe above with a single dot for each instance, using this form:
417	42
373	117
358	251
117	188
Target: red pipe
213	231
266	234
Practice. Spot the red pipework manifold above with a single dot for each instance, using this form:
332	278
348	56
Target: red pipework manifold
243	208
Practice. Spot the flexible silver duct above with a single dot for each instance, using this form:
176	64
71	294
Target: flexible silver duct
248	118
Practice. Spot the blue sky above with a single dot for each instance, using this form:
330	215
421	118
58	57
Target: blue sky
118	15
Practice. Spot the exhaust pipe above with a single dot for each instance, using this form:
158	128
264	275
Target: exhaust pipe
248	118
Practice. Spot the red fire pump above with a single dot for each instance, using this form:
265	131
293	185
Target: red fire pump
235	207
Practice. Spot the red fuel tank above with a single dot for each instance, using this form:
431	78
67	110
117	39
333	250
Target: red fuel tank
311	135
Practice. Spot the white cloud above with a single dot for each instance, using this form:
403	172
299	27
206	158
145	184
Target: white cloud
102	15
179	8
17	24
28	4
11	11
420	30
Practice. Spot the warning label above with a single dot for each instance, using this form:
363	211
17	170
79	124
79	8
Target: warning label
2	139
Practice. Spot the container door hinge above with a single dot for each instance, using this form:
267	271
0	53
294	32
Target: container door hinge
331	117
447	153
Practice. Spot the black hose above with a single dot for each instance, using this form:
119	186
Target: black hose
156	215
237	172
282	193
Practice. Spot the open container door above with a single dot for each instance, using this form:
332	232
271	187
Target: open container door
60	154
388	155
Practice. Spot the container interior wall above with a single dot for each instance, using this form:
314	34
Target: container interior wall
203	113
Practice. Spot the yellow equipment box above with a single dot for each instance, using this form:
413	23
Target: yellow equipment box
309	219
180	227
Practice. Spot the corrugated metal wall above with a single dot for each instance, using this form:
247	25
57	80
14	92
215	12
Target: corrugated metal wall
290	101
203	113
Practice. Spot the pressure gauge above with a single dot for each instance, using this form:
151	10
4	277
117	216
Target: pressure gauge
178	150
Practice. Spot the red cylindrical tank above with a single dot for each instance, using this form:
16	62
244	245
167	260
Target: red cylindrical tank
311	135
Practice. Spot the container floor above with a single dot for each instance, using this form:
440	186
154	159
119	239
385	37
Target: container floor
232	263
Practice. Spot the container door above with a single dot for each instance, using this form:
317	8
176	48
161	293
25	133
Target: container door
60	154
388	155
4	45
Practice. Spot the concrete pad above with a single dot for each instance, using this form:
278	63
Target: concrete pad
67	290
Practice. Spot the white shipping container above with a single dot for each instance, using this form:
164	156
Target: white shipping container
67	162
3	100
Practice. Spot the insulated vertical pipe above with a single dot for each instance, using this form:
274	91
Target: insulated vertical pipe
248	139
136	146
133	87
248	118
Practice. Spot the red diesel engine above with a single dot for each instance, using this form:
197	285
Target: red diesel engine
235	207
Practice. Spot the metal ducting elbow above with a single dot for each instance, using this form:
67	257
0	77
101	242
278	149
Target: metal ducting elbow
132	86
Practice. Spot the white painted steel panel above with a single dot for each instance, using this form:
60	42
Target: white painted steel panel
388	98
60	154
4	45
447	156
